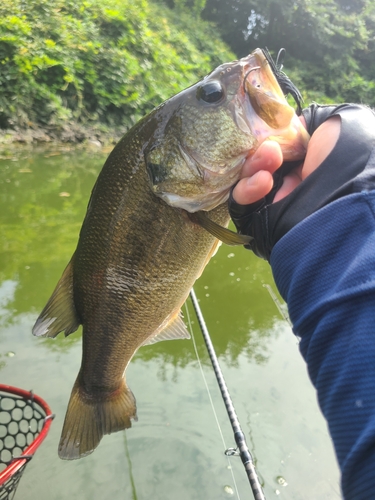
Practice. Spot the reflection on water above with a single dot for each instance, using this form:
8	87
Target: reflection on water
175	449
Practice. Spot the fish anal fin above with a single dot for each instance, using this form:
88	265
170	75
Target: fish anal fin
174	329
89	417
59	314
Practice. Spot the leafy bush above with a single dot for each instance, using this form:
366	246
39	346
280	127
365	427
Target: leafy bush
87	61
330	44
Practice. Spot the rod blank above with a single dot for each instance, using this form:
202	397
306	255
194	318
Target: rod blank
239	436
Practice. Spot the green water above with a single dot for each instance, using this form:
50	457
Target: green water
175	450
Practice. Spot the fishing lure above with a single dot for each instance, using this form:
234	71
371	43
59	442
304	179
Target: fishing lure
286	84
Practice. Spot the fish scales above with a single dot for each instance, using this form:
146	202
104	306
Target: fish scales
152	223
163	261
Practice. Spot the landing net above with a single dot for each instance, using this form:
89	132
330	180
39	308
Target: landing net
25	419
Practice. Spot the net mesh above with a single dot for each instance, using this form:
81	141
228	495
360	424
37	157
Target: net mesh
8	489
21	421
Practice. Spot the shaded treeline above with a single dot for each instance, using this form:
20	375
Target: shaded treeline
330	44
88	62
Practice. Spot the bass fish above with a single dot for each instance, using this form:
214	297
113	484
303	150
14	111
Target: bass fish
142	245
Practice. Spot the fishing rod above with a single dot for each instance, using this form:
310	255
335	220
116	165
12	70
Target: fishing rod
239	436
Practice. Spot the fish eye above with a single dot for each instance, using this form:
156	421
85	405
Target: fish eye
210	92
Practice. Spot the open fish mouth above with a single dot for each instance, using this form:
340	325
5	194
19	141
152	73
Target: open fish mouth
267	112
223	120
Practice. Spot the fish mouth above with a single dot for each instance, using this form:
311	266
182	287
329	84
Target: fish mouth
261	110
267	112
252	106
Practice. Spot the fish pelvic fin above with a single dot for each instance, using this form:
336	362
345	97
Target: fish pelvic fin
221	233
60	313
89	417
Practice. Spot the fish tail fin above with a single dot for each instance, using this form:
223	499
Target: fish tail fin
88	418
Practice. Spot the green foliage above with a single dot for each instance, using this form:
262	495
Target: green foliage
329	43
193	7
89	60
67	63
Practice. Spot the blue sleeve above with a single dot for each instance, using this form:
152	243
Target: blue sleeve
325	270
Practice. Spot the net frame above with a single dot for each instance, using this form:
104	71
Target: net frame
11	475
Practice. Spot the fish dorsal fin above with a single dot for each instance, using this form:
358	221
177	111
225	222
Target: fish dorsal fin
175	329
221	233
59	314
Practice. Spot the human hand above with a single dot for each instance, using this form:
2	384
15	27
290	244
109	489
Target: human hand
256	175
270	198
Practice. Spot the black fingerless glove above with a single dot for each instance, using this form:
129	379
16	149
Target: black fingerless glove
349	168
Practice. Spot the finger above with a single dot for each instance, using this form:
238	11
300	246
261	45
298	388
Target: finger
252	189
267	157
321	144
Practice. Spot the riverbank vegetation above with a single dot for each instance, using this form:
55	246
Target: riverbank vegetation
76	64
77	69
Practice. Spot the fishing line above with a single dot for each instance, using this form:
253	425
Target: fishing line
211	401
278	304
132	482
239	436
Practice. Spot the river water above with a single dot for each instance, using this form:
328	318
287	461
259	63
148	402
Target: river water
176	449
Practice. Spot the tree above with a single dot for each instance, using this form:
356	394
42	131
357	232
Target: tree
329	43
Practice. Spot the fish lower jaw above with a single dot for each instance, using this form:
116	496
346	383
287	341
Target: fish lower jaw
293	140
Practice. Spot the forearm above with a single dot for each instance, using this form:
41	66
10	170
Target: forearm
325	270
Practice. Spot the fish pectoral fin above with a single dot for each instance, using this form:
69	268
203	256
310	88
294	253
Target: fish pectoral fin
60	313
176	329
221	233
90	416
